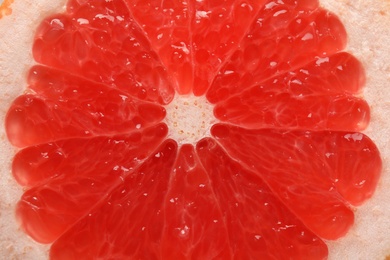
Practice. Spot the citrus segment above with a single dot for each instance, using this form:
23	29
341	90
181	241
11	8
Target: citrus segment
37	164
194	226
69	177
284	37
217	27
101	42
340	73
129	222
65	106
166	24
300	169
355	163
320	95
264	106
259	226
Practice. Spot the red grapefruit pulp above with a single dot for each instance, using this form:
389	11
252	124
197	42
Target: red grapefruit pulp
115	167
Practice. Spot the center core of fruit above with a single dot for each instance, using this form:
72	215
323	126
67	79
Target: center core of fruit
189	118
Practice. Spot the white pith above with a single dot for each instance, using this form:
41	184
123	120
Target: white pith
189	118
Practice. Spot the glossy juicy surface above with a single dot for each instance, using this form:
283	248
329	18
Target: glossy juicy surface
282	170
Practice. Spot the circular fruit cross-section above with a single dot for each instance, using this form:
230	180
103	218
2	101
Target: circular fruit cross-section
273	164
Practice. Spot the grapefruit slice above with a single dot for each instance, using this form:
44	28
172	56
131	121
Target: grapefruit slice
279	167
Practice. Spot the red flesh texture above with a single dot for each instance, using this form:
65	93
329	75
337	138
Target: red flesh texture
193	45
224	230
274	45
251	209
314	97
102	62
68	177
332	169
133	216
109	49
66	106
259	108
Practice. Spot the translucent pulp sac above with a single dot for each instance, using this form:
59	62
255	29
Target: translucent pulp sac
189	118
